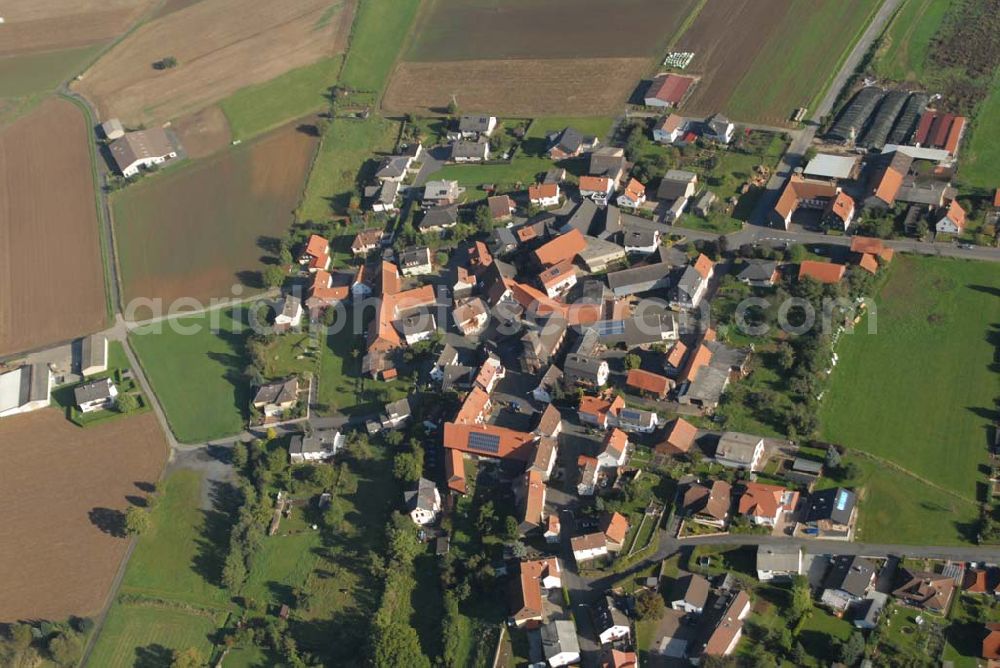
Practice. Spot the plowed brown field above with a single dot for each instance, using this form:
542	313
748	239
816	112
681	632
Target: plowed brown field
46	25
51	281
64	491
220	46
579	86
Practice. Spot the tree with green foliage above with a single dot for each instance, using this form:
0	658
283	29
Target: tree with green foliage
511	531
852	649
486	517
137	521
238	455
273	276
187	658
65	648
795	253
20	636
396	645
453	107
234	572
801	598
126	403
484	219
408	466
649	605
632	361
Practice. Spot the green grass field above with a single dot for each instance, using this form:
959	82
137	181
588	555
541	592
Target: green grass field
181	556
347	145
42	72
256	109
908	39
980	162
798	62
198	377
174	569
341	386
284	561
920	391
147	636
380	28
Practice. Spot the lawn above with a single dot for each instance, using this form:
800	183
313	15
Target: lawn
198	374
980	165
968	613
908	39
341	386
380	28
345	148
598	126
41	72
284	561
257	109
135	635
522	169
816	37
919	392
181	556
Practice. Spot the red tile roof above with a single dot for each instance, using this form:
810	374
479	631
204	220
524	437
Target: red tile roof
601	406
868	263
543	191
615	527
824	272
676	355
759	500
798	189
565	246
597	184
679	439
647	381
703	265
511	444
473	408
634	190
889	184
956	214
991	643
454	468
699	358
996	199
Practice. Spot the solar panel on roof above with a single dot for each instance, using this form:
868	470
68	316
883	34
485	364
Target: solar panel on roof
630	414
610	327
484	442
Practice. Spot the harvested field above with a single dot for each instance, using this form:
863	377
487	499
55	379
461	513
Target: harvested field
51	278
196	231
582	86
65	498
725	38
220	46
504	29
47	25
204	132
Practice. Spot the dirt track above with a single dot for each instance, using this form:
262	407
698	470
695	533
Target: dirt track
220	46
580	86
51	278
64	491
44	25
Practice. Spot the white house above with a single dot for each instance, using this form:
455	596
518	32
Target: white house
558	278
611	623
636	420
472	127
416	261
27	388
560	644
589	469
739	451
689	594
633	196
423	503
614	451
319	446
142	149
290	315
778	562
719	128
544	195
597	188
590	546
953	220
95	396
669	129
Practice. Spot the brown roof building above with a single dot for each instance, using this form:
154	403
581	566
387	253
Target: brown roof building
679	438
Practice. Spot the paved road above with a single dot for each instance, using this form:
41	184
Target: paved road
802	140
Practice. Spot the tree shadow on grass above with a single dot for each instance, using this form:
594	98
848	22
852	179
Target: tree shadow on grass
153	656
108	520
213	543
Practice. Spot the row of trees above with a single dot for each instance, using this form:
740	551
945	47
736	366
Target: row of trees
31	644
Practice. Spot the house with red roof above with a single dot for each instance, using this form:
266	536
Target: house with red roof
824	272
597	188
316	255
544	195
764	505
647	382
678	439
633	196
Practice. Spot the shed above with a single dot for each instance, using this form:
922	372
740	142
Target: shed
112	128
93	355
